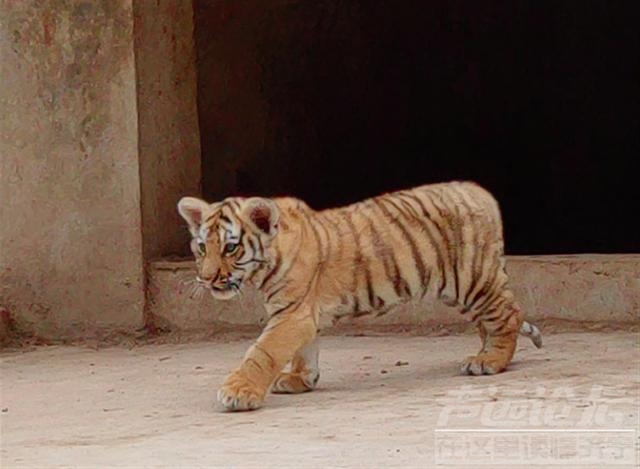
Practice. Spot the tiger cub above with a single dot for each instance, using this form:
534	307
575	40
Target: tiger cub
443	239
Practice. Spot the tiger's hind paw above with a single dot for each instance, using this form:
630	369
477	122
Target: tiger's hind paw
483	364
295	383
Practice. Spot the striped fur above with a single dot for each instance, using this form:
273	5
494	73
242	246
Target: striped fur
442	240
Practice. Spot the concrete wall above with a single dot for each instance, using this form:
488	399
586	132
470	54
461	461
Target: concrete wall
582	288
99	139
167	120
71	247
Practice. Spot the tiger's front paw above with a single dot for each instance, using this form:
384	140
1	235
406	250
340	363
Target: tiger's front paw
238	393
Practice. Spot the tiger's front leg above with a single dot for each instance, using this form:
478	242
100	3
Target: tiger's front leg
304	372
284	335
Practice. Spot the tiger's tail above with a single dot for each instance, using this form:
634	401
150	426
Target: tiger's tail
531	331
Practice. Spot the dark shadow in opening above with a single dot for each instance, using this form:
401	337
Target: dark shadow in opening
335	101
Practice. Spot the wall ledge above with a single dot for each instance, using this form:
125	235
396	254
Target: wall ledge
590	288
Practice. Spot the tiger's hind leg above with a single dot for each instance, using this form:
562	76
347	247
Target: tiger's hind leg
304	373
499	325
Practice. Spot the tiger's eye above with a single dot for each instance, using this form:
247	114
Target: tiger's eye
202	248
230	248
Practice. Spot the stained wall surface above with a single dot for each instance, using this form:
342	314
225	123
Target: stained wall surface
70	240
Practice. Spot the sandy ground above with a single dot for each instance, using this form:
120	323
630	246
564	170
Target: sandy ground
381	402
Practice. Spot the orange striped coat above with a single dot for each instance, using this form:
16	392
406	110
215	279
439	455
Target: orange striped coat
443	241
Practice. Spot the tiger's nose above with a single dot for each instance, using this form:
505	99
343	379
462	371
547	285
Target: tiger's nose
210	279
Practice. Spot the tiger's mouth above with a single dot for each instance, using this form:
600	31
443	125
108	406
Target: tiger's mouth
227	285
226	291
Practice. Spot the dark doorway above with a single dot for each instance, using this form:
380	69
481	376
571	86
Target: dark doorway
333	101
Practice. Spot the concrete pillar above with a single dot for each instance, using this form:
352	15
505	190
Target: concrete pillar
82	171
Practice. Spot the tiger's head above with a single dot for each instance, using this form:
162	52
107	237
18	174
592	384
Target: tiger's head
231	240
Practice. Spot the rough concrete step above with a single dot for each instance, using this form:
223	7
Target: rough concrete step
585	287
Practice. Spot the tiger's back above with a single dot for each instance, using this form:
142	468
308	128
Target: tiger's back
442	241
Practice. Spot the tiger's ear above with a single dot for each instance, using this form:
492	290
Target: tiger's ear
193	211
263	214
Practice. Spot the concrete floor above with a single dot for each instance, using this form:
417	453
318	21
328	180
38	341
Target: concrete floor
378	402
